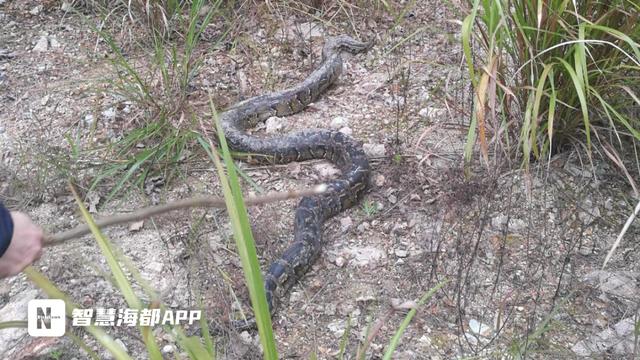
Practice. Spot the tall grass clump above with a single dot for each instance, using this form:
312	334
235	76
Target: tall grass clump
548	73
158	84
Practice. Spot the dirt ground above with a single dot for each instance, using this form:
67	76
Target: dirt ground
521	252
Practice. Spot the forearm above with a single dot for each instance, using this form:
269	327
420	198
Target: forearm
6	229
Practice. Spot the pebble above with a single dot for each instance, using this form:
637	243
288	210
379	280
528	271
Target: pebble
499	221
337	327
379	180
346	223
274	125
618	340
109	114
42	44
479	328
363	227
338	122
36	10
168	349
374	150
155	266
392	199
401	253
326	170
365	256
346	130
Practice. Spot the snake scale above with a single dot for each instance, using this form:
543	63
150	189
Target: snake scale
336	147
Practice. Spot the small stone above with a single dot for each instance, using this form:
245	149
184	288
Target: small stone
379	180
338	122
362	227
168	349
326	170
275	125
155	266
53	43
479	328
345	223
246	337
88	119
42	44
346	130
365	256
374	150
340	261
109	114
433	113
36	10
296	297
393	199
44	100
337	327
401	253
499	221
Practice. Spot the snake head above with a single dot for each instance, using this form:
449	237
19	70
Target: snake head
346	43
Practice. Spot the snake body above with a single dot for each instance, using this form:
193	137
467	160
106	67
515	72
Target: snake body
336	147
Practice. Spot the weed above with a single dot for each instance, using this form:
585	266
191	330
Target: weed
549	72
369	208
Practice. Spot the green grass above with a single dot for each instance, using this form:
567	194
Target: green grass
157	84
244	238
547	73
369	208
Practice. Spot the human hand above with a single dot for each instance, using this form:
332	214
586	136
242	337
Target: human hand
25	246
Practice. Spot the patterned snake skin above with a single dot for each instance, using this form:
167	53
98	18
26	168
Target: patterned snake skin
340	149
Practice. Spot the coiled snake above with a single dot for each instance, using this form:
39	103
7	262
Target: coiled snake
340	149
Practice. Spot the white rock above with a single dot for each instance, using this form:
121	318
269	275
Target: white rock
432	113
346	130
168	349
36	10
515	224
345	223
53	42
326	170
338	122
365	256
479	328
337	327
374	150
155	266
15	310
42	44
618	341
275	124
379	180
401	253
340	261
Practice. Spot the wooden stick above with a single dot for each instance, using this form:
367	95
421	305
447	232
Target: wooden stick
198	201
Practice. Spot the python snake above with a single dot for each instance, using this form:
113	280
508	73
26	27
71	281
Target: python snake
340	149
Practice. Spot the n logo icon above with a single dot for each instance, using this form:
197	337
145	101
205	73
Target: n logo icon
46	317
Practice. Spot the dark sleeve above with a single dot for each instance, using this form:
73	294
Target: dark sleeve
6	229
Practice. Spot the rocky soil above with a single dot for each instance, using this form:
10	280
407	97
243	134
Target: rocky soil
521	252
